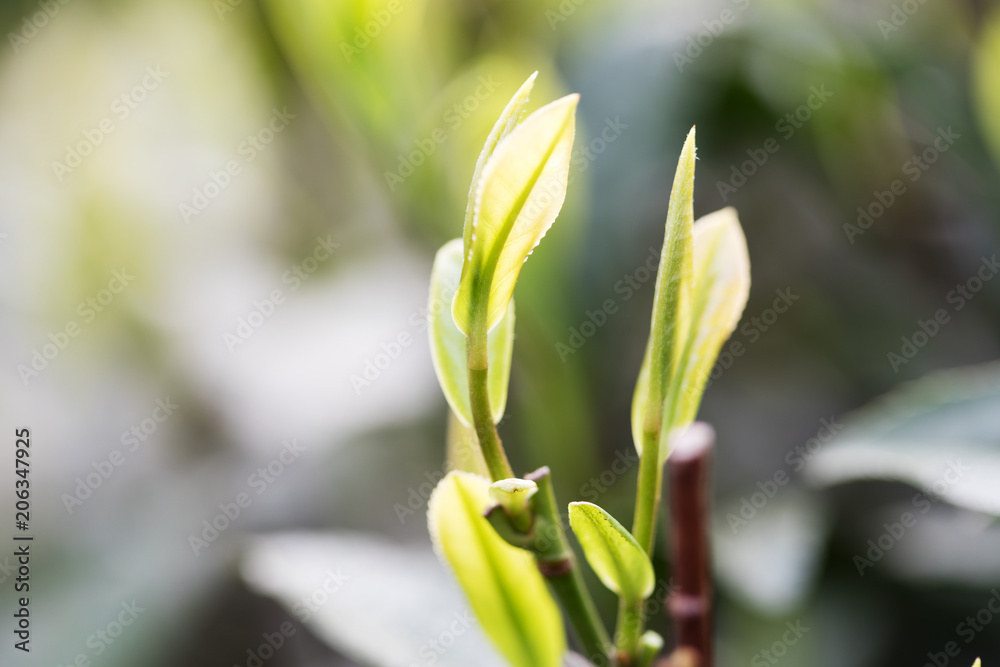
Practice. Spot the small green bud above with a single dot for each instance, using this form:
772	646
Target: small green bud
514	496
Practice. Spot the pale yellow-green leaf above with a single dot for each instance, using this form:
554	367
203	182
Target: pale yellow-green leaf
508	120
501	582
617	559
463	450
671	303
721	288
519	194
449	345
721	284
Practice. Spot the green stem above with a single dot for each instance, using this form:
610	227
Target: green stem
558	564
629	629
479	394
486	430
647	494
647	504
551	549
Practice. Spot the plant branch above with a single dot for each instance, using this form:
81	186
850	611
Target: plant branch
628	631
479	395
552	551
647	492
691	607
486	430
557	563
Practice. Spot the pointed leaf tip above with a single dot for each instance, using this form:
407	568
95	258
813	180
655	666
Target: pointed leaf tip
519	194
702	287
670	321
505	124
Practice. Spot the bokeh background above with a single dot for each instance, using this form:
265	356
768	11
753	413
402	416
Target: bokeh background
216	226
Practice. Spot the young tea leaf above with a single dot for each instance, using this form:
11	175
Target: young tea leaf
518	196
620	563
502	583
709	276
448	344
671	302
721	289
508	120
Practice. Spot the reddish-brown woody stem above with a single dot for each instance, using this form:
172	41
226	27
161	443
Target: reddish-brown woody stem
688	473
